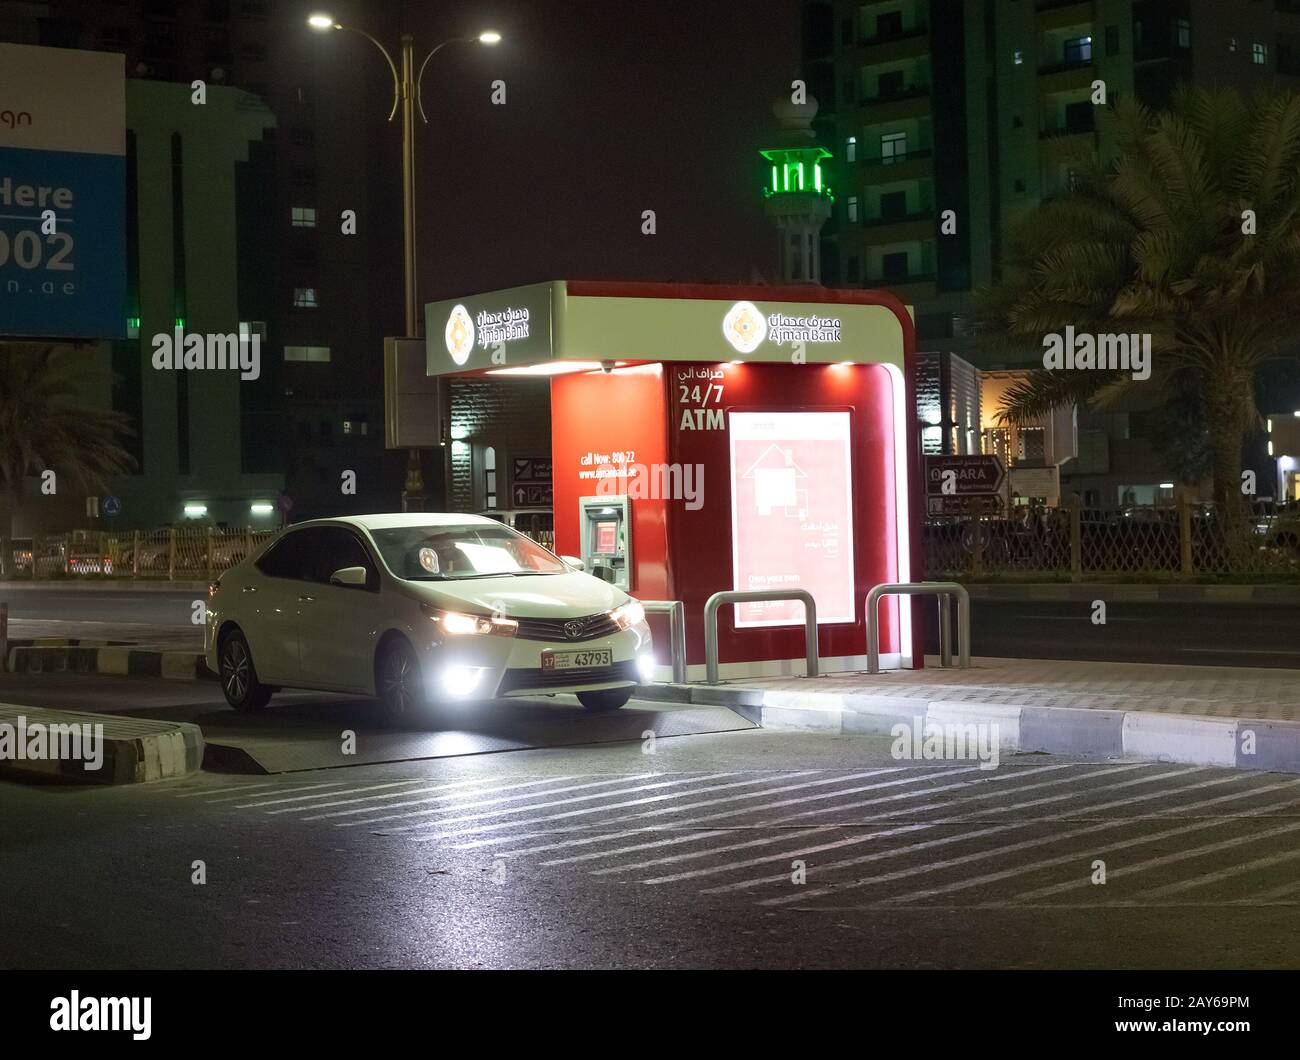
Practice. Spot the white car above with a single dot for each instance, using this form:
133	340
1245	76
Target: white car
420	609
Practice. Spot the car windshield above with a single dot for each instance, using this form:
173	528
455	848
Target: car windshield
423	553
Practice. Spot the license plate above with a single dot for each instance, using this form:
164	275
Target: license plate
577	660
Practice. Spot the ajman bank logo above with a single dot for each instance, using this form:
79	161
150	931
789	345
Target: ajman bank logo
744	327
459	334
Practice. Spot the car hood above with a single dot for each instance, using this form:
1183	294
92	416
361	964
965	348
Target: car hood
526	596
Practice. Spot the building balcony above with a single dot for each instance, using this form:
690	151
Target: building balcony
1057	14
909	44
911	166
879	230
1066	76
911	102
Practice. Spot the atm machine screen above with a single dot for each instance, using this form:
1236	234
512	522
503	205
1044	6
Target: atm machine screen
605	531
606	538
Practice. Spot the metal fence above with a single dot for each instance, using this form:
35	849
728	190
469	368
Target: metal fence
174	553
179	553
1186	540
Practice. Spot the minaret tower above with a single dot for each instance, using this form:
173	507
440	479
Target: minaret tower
797	198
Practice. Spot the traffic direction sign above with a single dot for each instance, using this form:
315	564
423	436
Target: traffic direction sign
970	475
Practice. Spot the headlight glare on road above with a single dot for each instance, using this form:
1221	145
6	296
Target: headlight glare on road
627	615
460	624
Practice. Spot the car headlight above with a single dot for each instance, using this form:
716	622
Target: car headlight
627	615
459	624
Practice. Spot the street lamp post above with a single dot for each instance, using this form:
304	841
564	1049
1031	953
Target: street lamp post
406	94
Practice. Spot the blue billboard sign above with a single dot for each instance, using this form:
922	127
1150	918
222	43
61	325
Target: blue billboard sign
62	193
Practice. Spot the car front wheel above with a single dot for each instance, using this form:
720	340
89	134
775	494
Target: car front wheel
606	699
400	683
239	682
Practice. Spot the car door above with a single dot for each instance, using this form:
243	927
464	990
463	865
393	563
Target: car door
338	625
269	605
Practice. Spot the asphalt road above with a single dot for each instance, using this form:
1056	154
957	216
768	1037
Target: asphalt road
748	849
1205	634
1199	634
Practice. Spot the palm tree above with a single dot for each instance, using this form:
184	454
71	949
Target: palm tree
1191	235
43	426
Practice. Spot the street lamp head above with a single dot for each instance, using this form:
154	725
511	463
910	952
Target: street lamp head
489	36
321	21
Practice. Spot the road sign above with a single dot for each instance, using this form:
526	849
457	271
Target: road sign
112	506
970	475
533	495
531	469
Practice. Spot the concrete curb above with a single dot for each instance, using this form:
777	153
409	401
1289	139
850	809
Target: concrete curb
110	584
1234	743
120	661
1086	592
135	750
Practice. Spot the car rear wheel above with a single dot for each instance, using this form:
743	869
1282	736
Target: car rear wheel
239	682
606	699
400	682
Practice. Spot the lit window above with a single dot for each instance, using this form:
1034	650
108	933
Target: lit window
1185	35
851	149
1078	50
1259	54
1018	58
1232	44
316	354
852	208
893	147
249	328
489	477
304	216
304	297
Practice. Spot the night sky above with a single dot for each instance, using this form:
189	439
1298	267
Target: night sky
613	107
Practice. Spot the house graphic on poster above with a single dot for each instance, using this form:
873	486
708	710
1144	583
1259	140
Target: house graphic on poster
776	483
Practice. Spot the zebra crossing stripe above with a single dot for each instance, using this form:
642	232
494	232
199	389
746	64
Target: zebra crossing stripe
1061	860
300	787
1285	891
1222	874
689	806
464	806
264	801
1182	855
225	789
856	825
711	851
965	836
578	813
450	786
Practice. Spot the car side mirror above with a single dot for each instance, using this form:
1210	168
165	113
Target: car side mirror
349	577
573	563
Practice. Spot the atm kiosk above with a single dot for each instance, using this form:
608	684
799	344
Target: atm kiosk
603	530
708	438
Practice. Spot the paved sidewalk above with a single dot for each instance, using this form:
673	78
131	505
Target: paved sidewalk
1207	691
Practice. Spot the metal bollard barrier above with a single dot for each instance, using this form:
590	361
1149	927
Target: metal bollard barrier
944	591
676	612
717	600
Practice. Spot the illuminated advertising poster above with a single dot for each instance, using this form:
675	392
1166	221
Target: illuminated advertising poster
62	193
792	514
